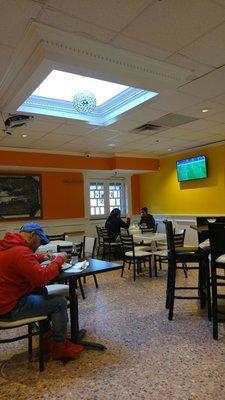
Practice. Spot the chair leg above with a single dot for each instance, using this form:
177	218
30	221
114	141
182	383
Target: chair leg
41	346
160	263
134	270
30	344
150	267
155	267
184	265
95	280
103	252
109	253
171	291
214	305
124	262
81	288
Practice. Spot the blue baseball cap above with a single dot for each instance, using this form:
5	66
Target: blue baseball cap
33	227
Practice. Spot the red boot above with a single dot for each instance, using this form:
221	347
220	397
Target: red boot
66	349
48	342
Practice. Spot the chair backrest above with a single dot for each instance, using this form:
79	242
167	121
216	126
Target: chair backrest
89	244
127	243
99	234
155	228
179	238
124	231
170	239
143	230
57	237
105	235
217	239
69	249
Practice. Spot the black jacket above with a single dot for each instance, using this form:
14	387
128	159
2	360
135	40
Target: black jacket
113	225
148	220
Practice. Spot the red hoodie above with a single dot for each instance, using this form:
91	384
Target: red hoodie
20	271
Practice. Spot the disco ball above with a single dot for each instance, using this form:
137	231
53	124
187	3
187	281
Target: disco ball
84	101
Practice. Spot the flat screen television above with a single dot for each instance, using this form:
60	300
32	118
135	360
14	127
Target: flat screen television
192	168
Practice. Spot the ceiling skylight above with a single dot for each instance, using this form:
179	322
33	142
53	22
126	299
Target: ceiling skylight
61	85
98	102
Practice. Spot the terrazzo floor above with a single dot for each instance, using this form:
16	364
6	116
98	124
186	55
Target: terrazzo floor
148	357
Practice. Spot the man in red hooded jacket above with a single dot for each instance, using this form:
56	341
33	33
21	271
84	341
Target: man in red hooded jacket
21	275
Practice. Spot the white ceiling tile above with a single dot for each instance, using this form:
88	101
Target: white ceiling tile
72	130
45	125
173	102
112	14
15	16
196	110
139	47
193	66
219	99
145	114
208	86
5	55
220	117
210	48
69	23
171	25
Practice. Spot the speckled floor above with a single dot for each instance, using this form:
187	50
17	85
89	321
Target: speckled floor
148	357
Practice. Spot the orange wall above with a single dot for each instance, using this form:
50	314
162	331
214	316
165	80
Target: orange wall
62	194
40	160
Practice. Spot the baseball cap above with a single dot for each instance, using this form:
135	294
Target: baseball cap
33	227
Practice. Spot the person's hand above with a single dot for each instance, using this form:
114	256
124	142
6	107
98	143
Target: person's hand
49	255
64	255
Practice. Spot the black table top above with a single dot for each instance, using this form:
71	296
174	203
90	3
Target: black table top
95	267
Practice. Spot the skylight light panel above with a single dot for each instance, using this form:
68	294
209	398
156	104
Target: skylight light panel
61	85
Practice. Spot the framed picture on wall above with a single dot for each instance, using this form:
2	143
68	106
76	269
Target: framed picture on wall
20	196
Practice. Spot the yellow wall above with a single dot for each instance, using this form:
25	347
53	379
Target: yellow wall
163	194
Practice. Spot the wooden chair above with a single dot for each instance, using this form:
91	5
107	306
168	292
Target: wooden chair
137	258
61	236
31	322
109	247
217	248
176	256
154	230
161	256
100	243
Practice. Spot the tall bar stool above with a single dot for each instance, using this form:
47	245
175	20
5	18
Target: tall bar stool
217	248
176	256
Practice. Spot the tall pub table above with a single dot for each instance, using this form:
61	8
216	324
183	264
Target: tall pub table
95	267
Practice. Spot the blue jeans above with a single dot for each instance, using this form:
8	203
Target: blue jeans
55	307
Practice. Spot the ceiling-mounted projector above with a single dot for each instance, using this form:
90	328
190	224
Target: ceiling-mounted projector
16	120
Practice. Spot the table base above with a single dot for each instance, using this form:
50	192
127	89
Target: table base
89	345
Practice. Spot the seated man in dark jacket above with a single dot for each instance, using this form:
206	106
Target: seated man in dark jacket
114	223
147	220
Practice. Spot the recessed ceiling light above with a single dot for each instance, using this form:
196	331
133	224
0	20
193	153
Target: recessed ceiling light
111	145
205	110
24	135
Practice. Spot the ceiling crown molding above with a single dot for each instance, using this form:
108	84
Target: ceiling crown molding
44	48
